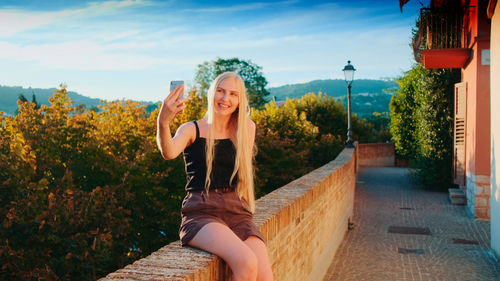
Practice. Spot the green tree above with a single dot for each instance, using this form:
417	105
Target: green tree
295	138
22	98
325	112
381	122
329	116
435	128
422	123
251	74
283	138
403	122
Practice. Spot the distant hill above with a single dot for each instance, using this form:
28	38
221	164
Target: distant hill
9	96
366	104
368	95
332	87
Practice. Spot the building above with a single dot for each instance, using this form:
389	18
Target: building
465	34
493	12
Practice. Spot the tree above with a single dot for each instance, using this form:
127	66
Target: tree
325	112
83	193
251	74
381	123
403	120
22	98
283	138
422	123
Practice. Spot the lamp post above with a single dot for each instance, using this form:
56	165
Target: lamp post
349	76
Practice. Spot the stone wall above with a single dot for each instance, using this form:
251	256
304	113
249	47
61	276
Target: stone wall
478	196
303	222
376	154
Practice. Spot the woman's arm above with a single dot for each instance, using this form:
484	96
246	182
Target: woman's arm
170	147
251	133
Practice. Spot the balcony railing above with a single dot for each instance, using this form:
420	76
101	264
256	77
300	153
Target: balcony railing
444	28
442	33
441	28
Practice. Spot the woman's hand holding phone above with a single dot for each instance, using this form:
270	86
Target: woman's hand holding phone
173	104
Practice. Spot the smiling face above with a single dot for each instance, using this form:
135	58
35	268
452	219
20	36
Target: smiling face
226	97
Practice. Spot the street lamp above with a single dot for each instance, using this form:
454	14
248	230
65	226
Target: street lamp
349	76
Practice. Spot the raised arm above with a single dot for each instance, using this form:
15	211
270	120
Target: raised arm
170	147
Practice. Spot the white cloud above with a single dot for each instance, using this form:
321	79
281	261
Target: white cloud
240	8
86	55
110	7
14	21
113	5
116	36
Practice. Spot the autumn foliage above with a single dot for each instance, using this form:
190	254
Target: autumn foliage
86	192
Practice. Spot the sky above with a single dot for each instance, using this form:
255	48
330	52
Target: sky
132	49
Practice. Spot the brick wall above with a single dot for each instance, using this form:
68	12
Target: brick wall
376	154
303	222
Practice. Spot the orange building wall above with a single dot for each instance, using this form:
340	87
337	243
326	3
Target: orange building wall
477	77
495	130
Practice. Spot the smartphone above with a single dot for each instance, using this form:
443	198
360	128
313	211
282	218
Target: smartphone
176	83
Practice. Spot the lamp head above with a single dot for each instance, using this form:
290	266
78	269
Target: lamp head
349	72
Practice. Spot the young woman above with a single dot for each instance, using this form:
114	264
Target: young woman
218	209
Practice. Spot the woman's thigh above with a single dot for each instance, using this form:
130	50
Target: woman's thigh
220	240
259	249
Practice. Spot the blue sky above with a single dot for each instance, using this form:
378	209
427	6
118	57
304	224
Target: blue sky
131	49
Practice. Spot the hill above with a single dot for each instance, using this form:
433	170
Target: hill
368	95
9	96
332	87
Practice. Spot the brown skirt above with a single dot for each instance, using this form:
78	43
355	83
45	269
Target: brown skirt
198	209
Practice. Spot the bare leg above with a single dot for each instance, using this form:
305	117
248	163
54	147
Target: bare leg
220	240
258	247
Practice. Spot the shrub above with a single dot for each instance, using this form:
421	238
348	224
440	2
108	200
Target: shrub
422	124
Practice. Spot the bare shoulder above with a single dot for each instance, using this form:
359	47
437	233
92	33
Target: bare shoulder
187	127
186	131
251	125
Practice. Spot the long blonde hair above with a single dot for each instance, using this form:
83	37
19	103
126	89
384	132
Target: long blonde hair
243	162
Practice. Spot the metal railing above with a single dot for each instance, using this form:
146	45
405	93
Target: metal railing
441	28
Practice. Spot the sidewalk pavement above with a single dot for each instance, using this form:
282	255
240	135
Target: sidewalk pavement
402	232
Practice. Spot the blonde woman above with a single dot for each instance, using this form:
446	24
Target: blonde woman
217	211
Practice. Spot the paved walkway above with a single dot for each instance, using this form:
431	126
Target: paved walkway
451	245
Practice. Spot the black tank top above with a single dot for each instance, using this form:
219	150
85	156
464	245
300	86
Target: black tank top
222	165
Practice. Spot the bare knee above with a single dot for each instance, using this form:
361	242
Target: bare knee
265	275
246	267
